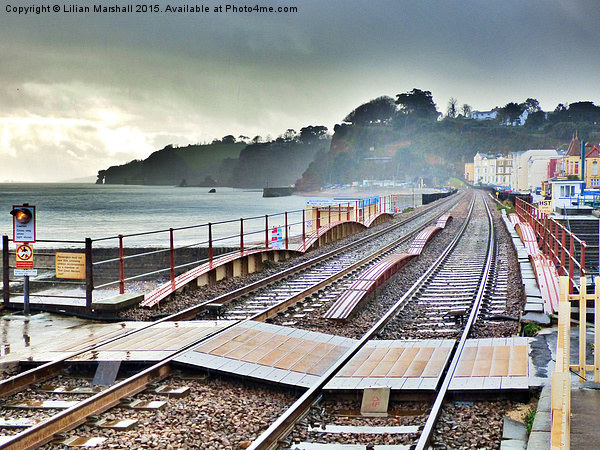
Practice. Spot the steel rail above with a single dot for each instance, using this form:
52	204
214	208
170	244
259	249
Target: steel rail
74	416
282	426
78	414
281	306
53	368
193	311
436	409
60	422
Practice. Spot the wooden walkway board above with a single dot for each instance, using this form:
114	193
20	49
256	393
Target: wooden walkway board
501	363
151	344
399	364
269	352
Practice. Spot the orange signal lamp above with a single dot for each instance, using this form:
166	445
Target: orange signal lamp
21	215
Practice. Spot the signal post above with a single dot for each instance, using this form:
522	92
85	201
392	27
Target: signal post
24	236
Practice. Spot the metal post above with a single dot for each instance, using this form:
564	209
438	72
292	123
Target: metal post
241	236
348	212
562	251
339	212
554	244
286	231
89	274
121	266
329	218
210	245
5	270
582	260
304	229
571	262
582	327
26	295
172	256
266	231
545	238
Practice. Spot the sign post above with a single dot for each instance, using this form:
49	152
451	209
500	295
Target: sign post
24	236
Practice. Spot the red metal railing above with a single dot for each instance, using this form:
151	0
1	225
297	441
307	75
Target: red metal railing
552	239
127	262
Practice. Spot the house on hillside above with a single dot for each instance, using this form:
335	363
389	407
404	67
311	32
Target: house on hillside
483	115
493	115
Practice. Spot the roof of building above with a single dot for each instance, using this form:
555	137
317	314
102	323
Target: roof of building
594	152
574	147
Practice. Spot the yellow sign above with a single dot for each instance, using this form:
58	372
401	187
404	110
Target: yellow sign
70	265
545	206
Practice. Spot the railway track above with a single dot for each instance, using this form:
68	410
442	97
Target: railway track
473	248
381	237
76	413
163	371
325	279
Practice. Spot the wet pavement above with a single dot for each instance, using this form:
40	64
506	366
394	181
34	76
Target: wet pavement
21	335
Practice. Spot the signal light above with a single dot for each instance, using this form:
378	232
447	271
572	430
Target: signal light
23	223
22	215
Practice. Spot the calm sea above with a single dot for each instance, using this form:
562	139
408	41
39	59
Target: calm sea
77	211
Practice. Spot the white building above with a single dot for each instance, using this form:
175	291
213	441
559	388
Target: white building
484	169
504	165
483	115
565	193
492	115
530	168
492	169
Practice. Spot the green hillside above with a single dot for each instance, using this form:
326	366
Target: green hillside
171	165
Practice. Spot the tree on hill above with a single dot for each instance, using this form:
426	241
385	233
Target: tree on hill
378	111
584	112
536	120
417	104
452	110
531	105
288	136
466	110
312	134
510	113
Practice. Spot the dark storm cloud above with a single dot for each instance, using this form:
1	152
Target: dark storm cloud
131	83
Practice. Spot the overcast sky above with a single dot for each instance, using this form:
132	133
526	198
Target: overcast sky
80	92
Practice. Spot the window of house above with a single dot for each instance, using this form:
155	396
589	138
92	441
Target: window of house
595	168
562	191
573	187
576	170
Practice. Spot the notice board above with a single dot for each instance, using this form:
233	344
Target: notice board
70	265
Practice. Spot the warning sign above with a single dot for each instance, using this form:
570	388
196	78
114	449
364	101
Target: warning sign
24	256
70	265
